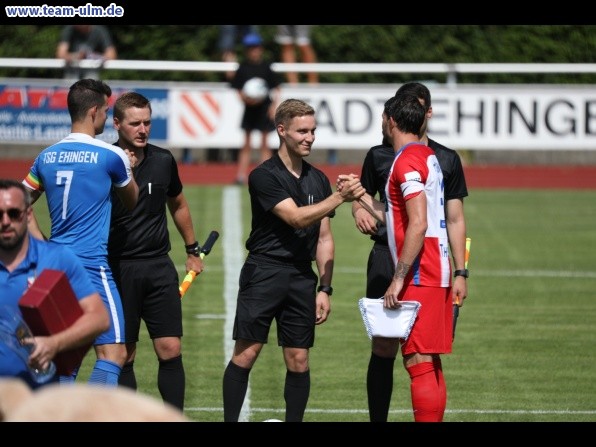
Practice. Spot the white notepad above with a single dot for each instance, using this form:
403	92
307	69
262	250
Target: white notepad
391	323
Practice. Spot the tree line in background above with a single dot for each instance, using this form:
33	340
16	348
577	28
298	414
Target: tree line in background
333	43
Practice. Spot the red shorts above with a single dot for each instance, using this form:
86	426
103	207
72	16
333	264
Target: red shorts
432	332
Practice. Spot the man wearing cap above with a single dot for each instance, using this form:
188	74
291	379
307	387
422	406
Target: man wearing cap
259	109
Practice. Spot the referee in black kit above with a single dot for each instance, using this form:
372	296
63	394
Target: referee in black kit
139	246
292	203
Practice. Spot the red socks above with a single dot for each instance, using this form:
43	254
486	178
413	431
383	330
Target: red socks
429	393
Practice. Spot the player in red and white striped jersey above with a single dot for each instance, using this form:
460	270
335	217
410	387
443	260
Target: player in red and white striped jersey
417	234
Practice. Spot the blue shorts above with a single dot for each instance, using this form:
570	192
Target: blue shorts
101	276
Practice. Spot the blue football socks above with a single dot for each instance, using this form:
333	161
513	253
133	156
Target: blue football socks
105	373
65	380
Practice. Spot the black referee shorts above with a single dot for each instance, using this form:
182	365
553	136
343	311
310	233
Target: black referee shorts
150	291
270	289
379	270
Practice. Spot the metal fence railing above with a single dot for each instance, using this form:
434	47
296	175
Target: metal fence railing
450	70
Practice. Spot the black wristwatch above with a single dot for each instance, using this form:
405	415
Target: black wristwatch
193	249
462	272
327	289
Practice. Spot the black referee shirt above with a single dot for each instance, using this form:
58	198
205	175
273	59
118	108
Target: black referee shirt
270	183
143	232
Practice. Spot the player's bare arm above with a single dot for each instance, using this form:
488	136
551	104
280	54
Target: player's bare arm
374	207
325	262
417	226
304	216
365	222
456	232
180	212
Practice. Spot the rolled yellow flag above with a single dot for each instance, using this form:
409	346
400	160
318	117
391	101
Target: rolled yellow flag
187	281
466	259
205	250
456	305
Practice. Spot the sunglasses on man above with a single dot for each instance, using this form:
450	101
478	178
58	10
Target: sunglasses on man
14	214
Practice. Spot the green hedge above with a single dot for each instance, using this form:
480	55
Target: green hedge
335	43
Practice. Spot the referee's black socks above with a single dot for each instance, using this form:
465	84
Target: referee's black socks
127	376
235	384
296	392
379	387
171	381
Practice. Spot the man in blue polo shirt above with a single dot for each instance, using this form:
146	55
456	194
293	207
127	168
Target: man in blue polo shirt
22	259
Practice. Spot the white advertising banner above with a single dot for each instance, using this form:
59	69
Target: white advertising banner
208	115
525	117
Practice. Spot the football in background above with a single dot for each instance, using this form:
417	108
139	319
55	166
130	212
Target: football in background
255	88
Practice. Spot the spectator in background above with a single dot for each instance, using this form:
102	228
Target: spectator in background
229	37
79	42
291	36
259	102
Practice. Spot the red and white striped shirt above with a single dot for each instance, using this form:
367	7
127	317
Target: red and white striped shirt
416	170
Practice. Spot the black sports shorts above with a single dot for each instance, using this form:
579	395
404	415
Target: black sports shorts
150	291
271	289
379	270
257	118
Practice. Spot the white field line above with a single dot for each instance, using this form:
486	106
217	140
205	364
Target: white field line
477	273
398	411
233	255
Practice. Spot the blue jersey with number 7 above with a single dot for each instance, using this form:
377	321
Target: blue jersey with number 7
77	175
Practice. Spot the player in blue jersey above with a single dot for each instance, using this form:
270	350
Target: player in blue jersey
77	174
22	259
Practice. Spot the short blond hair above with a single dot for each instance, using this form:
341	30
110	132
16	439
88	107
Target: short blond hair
291	108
